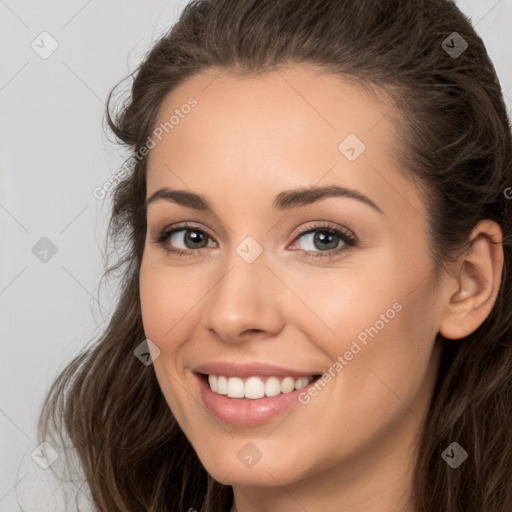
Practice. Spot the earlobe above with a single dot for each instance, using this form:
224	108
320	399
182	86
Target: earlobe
477	283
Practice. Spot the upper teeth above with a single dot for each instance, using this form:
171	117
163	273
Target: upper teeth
255	387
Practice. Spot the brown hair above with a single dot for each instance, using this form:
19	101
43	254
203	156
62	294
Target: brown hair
456	143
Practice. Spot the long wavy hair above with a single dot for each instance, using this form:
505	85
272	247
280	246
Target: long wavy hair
456	143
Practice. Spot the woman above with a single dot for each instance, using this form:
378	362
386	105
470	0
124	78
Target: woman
259	369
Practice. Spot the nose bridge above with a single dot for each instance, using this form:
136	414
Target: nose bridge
244	296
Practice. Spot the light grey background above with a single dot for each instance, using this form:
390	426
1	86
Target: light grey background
54	152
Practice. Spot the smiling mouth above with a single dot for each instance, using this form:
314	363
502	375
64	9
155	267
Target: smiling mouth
255	387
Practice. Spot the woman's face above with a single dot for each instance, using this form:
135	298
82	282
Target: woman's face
271	291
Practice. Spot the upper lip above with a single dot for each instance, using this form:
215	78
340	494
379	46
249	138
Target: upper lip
227	369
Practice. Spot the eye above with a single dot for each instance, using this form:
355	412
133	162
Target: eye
322	235
188	234
327	238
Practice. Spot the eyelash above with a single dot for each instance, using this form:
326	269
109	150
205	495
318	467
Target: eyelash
349	240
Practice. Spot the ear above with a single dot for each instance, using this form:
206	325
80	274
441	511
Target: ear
472	291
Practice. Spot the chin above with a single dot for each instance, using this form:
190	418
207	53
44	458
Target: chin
240	463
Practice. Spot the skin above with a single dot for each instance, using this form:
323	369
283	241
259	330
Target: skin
352	446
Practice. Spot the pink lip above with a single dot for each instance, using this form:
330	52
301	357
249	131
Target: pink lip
246	412
250	370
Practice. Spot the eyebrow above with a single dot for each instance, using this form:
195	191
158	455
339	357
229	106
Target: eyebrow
283	201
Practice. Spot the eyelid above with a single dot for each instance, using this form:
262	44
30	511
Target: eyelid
318	224
168	229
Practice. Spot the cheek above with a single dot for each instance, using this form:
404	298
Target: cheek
169	300
168	316
379	325
344	305
158	305
393	371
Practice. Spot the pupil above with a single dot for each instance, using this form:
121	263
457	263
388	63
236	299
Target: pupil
320	237
192	237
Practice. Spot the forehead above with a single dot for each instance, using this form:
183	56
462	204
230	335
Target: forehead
291	103
289	127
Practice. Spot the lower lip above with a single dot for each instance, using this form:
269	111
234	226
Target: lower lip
247	411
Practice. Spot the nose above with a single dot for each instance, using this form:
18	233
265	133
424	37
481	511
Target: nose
245	302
